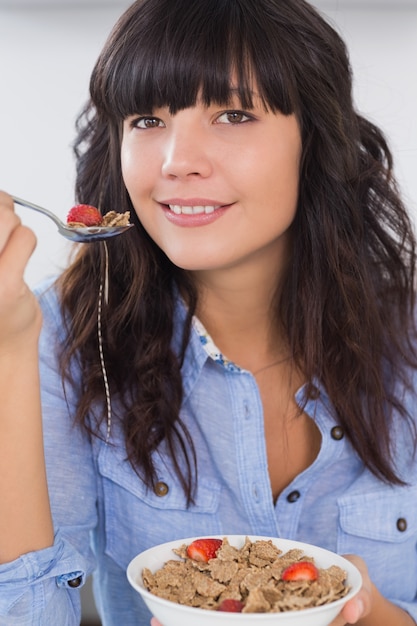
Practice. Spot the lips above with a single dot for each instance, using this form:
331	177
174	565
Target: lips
193	212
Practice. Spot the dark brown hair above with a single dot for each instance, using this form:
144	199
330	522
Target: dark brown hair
348	298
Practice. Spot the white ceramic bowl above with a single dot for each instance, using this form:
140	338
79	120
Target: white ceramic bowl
173	614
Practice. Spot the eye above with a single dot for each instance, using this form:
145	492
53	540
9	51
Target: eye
233	117
147	122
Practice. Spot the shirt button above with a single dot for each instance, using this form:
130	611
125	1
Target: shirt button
293	496
337	433
402	524
314	393
75	582
161	489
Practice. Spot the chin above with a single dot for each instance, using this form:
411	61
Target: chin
194	262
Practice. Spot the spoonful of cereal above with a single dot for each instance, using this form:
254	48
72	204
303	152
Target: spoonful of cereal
85	223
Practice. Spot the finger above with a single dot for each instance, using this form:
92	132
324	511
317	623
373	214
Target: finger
8	222
339	621
16	253
351	613
6	199
354	610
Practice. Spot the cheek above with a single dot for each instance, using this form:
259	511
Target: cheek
138	180
137	175
127	165
280	185
288	179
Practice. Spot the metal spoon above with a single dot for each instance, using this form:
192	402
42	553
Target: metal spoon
80	234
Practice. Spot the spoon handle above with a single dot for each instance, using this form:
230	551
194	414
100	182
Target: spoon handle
35	207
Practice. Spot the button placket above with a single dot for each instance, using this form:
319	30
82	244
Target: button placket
246	411
252	466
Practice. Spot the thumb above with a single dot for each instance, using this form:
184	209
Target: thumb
354	610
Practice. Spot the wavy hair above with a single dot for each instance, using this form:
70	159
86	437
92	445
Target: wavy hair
347	302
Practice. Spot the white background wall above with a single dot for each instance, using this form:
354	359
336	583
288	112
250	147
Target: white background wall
47	53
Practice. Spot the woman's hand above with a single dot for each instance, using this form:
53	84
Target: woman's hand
23	484
369	607
20	317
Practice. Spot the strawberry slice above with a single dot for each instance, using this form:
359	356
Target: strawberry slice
231	606
84	214
203	549
302	570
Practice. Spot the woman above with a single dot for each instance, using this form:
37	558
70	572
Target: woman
243	361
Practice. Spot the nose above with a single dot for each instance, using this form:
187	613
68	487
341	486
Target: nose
186	154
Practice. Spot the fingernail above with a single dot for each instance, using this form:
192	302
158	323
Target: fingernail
360	606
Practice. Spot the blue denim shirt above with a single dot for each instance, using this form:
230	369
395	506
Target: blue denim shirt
104	515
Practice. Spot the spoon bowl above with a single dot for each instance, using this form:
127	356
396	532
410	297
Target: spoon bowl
78	234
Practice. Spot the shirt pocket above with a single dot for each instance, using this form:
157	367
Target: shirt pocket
381	527
137	518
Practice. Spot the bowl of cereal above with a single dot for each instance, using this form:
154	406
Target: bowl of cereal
240	579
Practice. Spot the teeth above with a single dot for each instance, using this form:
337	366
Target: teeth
192	210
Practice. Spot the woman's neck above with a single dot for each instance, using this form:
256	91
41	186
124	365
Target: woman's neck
237	311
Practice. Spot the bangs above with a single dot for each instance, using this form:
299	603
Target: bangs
171	53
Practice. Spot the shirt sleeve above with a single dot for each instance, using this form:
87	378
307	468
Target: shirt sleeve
42	587
35	589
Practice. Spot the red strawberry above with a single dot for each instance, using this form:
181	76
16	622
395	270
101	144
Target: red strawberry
302	570
84	214
203	549
231	606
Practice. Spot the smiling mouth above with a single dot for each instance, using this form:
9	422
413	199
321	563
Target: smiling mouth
193	210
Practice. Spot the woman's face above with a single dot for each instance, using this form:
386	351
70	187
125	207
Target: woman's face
215	187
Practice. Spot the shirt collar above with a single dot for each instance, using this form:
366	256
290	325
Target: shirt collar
200	349
211	349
